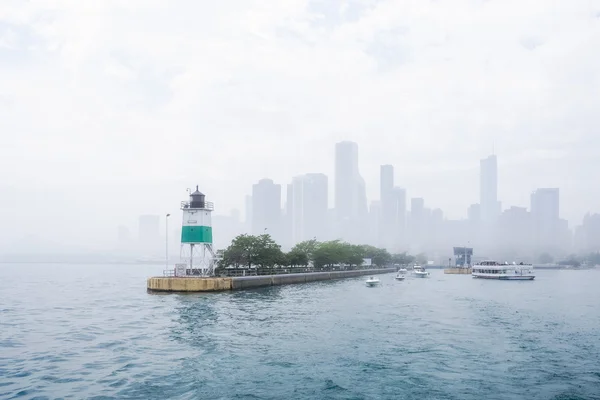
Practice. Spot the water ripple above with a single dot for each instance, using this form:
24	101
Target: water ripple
99	335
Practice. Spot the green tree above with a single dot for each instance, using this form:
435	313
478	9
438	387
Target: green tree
307	247
241	252
250	251
353	255
269	253
403	259
327	254
297	257
381	258
369	251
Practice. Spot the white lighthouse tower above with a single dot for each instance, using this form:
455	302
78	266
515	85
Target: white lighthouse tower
196	235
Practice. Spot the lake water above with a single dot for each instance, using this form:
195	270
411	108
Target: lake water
83	332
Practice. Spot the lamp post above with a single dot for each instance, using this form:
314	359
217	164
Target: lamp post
167	242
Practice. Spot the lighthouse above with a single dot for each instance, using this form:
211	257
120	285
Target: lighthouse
196	235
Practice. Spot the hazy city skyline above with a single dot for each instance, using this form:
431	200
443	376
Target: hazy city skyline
110	111
393	221
279	208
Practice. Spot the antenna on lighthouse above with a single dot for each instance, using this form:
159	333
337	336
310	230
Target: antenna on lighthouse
196	235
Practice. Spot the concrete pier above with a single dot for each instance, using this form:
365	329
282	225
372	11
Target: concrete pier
199	284
458	271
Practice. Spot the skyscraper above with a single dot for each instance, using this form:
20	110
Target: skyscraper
545	216
350	194
514	230
474	213
388	206
374	223
266	208
386	181
248	212
400	225
362	204
309	207
488	186
545	204
417	223
288	218
346	180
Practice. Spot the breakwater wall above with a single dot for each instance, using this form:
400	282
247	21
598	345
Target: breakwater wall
458	271
199	284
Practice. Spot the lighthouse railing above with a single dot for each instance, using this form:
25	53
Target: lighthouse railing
208	205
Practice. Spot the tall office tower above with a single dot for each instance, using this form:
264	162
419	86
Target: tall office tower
400	223
488	186
417	224
545	216
288	218
362	206
474	225
374	223
350	194
248	212
474	213
266	209
386	180
347	180
515	231
309	209
387	225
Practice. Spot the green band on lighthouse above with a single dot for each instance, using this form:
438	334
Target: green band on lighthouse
196	234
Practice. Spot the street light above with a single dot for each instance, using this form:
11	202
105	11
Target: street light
167	241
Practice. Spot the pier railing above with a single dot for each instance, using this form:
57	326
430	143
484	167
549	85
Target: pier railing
257	271
234	272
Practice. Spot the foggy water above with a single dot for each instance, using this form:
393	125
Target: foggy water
70	331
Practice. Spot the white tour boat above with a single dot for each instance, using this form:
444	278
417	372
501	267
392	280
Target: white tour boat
505	272
420	272
372	281
402	271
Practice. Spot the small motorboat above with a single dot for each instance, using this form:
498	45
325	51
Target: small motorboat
402	271
420	272
372	281
400	276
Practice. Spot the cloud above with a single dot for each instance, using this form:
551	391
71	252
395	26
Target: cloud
225	93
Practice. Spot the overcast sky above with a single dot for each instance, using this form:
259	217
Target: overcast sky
110	109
